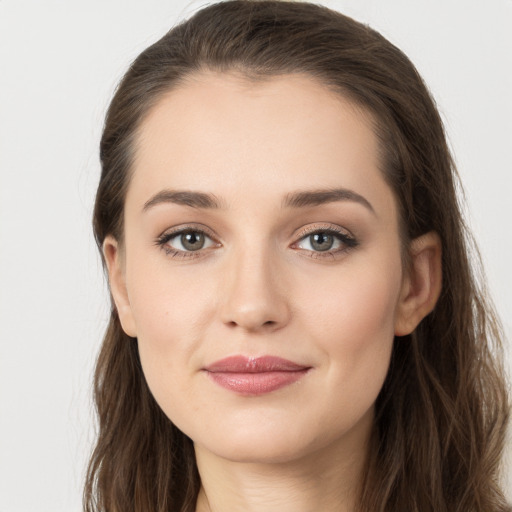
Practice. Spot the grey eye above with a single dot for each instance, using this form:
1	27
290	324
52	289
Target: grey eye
326	241
321	241
192	240
186	241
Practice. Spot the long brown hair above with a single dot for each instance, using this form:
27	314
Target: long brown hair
441	415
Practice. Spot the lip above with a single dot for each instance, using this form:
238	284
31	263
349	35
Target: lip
255	375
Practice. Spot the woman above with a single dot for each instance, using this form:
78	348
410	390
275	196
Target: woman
295	321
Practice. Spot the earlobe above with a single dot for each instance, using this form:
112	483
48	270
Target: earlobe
422	284
116	277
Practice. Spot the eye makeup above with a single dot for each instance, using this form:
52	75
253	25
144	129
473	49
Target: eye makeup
188	241
316	241
325	241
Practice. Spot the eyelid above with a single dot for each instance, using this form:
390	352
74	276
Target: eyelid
321	227
343	235
171	233
176	230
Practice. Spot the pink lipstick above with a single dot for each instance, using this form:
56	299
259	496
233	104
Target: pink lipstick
255	375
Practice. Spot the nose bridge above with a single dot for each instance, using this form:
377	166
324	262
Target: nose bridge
252	293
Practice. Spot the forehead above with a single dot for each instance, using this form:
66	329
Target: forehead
228	134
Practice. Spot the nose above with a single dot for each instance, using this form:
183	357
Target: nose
252	295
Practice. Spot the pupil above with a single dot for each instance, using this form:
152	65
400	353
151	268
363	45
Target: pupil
192	241
322	241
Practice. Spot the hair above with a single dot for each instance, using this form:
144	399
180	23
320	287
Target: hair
440	418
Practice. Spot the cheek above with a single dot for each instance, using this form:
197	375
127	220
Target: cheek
165	299
354	319
168	313
356	303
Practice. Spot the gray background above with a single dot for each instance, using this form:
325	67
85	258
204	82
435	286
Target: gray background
59	63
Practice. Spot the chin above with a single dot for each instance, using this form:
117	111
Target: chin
258	449
266	440
272	443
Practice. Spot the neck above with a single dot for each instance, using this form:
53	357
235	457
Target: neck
327	480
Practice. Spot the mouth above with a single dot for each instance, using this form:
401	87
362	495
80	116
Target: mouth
255	375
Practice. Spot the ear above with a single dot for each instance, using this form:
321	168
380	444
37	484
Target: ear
116	276
422	284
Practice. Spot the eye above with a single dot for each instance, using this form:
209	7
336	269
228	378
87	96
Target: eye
321	241
184	242
325	242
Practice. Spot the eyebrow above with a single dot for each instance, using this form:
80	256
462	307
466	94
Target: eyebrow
185	198
305	198
299	199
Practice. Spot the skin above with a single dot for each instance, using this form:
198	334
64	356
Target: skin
259	287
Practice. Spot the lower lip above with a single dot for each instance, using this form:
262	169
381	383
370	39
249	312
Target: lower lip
257	383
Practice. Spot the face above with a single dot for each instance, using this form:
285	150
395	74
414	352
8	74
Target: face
261	268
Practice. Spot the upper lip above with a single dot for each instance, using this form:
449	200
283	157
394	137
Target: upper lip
245	364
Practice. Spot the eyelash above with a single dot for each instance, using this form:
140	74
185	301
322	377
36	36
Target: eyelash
347	240
165	238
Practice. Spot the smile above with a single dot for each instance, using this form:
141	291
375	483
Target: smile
255	376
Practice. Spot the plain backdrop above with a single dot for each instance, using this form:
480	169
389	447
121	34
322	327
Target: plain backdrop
59	63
